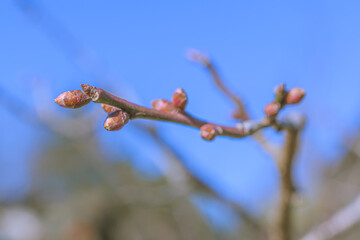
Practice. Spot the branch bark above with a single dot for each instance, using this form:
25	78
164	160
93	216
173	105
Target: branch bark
282	225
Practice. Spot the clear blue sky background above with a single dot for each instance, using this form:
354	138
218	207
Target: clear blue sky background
140	47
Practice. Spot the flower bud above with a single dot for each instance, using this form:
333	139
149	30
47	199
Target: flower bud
179	99
272	110
116	120
108	108
208	132
295	95
72	99
163	105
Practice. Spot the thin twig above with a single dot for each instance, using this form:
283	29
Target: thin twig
340	222
201	58
241	112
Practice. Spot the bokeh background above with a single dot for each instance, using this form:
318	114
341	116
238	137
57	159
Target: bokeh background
64	177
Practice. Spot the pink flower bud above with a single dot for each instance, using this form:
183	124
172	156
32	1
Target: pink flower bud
272	110
295	95
116	120
72	99
208	132
108	108
164	105
179	99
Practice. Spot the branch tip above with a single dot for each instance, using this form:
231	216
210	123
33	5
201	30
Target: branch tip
295	96
72	99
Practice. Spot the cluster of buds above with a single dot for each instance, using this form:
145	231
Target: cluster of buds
73	99
282	98
178	104
208	132
116	119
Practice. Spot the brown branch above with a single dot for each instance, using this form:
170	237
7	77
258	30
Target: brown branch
135	111
199	57
241	112
282	222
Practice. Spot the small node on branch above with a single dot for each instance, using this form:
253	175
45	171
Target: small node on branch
272	109
295	96
108	108
72	99
180	99
164	106
90	91
116	120
208	132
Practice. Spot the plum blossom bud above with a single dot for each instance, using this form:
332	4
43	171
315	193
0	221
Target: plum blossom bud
179	99
116	120
272	110
164	105
108	108
72	99
208	132
295	95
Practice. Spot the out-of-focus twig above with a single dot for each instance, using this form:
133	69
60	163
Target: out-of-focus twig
197	184
197	56
47	120
339	223
282	223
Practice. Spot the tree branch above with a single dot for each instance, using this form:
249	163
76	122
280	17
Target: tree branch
199	57
241	112
340	222
135	111
282	222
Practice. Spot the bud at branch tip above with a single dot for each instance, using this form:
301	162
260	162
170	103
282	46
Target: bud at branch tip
295	96
72	99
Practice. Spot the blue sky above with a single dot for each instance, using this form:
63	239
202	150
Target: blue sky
138	50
